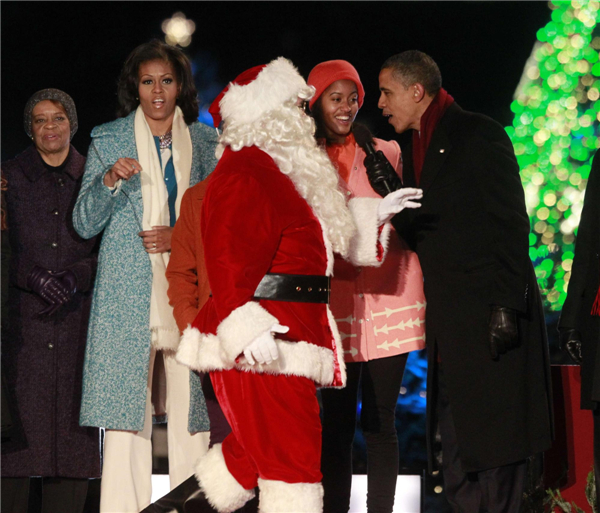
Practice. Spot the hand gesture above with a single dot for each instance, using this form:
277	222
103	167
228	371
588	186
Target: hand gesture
263	348
55	288
157	240
397	201
123	169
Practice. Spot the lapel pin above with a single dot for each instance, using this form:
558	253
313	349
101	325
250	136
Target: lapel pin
442	150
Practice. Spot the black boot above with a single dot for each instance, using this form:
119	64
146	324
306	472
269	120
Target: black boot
197	502
185	498
251	506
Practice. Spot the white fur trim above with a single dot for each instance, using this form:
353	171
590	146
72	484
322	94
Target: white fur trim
221	489
328	247
242	326
167	341
363	246
189	345
339	349
276	83
202	353
282	497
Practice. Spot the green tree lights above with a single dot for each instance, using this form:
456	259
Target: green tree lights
555	133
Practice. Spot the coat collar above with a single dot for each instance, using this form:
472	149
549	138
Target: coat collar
33	167
439	148
116	136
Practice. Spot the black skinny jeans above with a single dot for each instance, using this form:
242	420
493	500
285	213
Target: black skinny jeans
380	381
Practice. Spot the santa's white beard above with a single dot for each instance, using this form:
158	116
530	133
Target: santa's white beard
287	136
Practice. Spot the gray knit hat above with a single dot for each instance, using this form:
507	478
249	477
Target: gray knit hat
51	94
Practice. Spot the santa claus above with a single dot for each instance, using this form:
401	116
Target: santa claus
272	218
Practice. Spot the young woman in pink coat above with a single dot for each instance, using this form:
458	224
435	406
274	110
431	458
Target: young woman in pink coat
380	311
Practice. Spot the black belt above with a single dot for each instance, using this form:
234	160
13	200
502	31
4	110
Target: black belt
294	287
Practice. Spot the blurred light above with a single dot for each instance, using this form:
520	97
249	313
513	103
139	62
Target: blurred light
555	133
178	30
543	213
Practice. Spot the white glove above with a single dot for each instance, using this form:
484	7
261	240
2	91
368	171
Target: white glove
263	348
396	201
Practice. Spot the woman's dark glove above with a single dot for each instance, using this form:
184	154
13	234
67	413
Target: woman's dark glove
68	279
56	289
570	338
381	174
504	334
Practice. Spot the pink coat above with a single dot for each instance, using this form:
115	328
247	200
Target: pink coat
380	311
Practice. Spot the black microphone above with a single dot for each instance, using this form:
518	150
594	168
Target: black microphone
381	174
364	138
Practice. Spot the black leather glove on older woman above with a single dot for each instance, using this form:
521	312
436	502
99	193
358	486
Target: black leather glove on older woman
56	288
504	334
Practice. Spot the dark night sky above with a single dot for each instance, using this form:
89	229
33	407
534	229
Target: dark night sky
481	48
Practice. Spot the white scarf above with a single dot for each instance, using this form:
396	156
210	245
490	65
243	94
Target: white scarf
165	334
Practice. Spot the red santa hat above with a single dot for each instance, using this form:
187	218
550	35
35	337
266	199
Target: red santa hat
328	72
259	90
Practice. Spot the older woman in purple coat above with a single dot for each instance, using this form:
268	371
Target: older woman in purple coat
51	275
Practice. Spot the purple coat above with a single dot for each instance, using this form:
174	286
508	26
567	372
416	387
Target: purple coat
43	358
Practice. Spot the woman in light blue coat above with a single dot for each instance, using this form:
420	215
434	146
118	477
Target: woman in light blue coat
137	170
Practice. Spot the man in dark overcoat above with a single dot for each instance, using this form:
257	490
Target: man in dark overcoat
579	323
488	382
51	276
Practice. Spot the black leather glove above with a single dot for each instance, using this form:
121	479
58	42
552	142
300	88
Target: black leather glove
68	279
56	289
504	334
570	338
381	174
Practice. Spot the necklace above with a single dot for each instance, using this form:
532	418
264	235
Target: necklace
165	140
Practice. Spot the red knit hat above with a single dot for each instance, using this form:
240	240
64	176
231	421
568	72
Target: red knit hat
257	91
328	72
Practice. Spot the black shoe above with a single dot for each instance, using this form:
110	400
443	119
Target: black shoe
197	503
185	498
251	506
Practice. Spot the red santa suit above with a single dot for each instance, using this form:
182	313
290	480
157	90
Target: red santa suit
255	221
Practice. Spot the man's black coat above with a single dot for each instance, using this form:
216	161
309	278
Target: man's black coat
583	287
471	235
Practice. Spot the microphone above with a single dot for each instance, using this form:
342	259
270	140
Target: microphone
382	176
364	138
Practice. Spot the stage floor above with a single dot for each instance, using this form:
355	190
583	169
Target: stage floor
408	493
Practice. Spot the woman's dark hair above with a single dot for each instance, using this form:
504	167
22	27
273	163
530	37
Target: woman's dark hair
317	114
127	89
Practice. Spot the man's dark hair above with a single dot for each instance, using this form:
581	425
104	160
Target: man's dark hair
413	67
127	89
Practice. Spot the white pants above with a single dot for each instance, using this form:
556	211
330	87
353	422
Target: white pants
126	485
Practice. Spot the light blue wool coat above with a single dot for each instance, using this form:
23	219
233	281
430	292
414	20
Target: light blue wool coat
115	373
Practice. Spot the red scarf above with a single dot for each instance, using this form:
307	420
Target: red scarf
342	155
429	121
